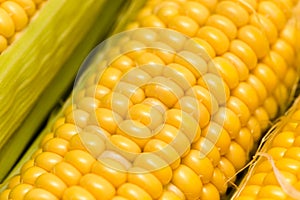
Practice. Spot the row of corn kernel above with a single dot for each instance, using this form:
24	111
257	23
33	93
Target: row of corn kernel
275	173
215	178
14	17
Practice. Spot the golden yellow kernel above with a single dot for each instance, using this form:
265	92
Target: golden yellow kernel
254	127
175	138
271	106
187	181
132	191
143	12
290	78
164	51
146	181
28	5
257	178
201	165
245	139
175	190
99	187
7	27
224	68
117	103
38	194
224	24
256	40
208	149
146	114
122	63
266	75
163	150
77	192
226	118
218	136
67	173
258	84
134	93
111	170
265	25
216	86
192	62
14	181
123	143
196	11
236	151
47	160
155	104
66	131
284	139
146	36
209	191
250	190
17	14
180	74
50	182
156	165
273	12
205	97
215	37
246	93
131	48
286	50
239	108
272	192
56	145
227	168
244	52
239	65
219	180
271	178
164	89
210	4
234	11
184	122
281	94
288	165
196	109
277	152
107	119
184	25
76	143
5	194
277	63
135	131
19	191
263	117
201	47
166	10
80	159
167	195
27	165
152	21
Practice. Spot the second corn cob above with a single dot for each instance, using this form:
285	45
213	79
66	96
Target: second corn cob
253	89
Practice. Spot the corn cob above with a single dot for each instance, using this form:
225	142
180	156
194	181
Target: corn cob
78	160
275	173
54	93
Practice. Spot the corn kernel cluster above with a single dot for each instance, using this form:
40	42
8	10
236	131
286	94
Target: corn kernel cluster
14	17
159	125
276	174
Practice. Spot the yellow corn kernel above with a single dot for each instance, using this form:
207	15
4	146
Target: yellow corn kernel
215	37
99	187
38	193
17	14
77	192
